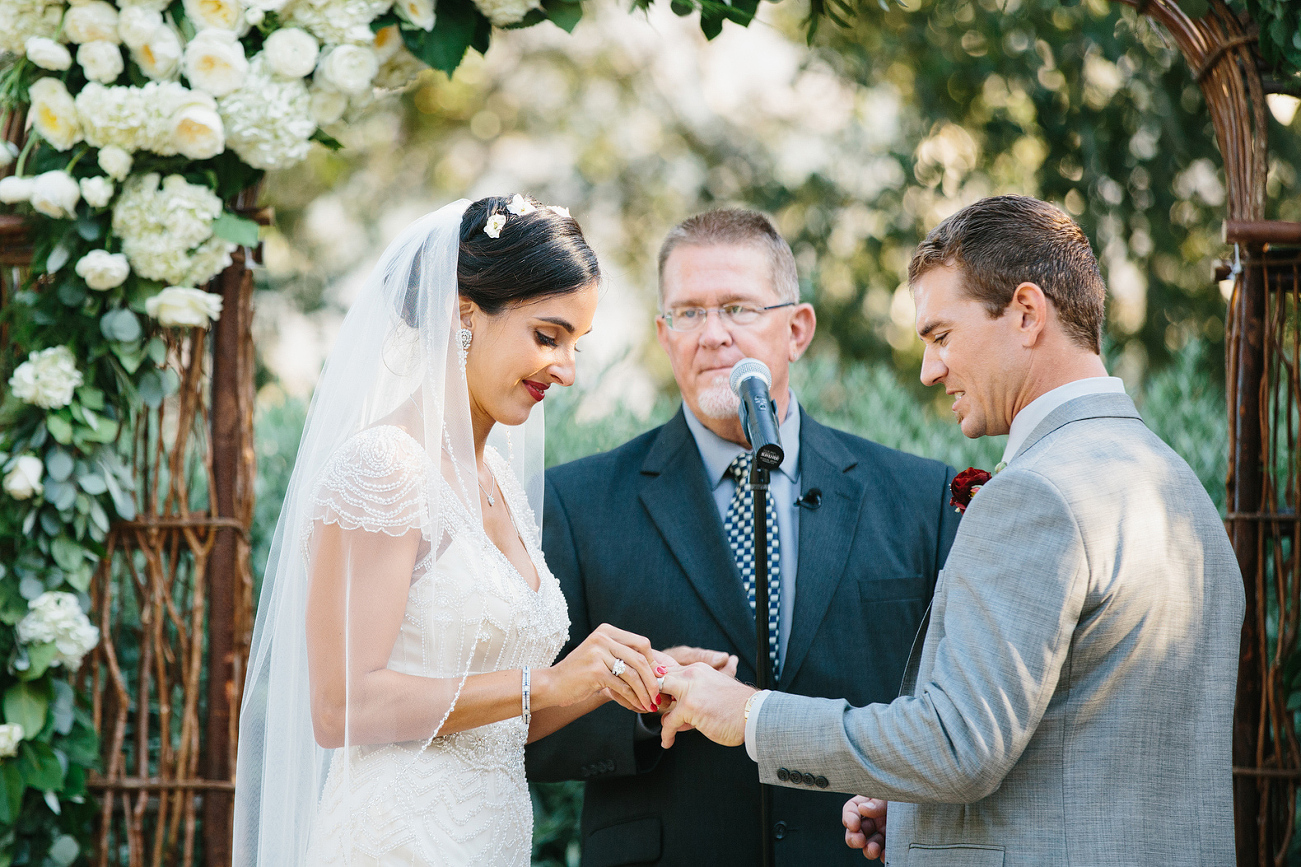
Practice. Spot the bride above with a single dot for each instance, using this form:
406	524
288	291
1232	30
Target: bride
408	623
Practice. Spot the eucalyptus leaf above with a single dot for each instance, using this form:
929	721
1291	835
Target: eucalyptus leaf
67	553
59	257
39	657
64	851
59	464
60	428
121	325
152	389
60	495
122	502
98	517
236	229
91	398
90	229
29	588
38	764
93	483
52	801
63	707
156	349
72	293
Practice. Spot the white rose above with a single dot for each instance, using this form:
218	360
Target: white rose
24	480
96	191
198	132
11	735
159	56
94	21
254	17
53	113
14	190
47	378
506	12
101	61
350	68
265	6
8	153
103	270
135	24
187	308
115	162
387	42
214	62
222	14
418	12
55	194
48	54
328	105
291	52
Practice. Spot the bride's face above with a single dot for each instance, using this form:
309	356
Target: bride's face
520	352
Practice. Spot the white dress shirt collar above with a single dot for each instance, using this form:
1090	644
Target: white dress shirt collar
1039	409
718	453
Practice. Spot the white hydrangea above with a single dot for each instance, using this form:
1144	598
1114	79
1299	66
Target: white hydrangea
328	105
337	22
163	117
91	21
55	618
48	54
55	194
181	306
115	162
291	52
20	20
101	61
96	191
47	378
103	270
506	12
54	114
215	62
269	120
166	229
24	481
11	735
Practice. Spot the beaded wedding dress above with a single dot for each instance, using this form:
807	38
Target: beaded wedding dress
385	483
460	798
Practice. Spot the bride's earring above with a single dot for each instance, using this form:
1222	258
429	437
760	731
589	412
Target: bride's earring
465	335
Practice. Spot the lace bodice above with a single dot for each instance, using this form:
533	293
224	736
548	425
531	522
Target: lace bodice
460	798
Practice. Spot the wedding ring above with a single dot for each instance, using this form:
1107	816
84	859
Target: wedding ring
618	668
659	684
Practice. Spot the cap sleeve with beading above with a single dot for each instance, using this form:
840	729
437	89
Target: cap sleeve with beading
378	481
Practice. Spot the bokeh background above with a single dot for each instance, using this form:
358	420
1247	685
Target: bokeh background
857	140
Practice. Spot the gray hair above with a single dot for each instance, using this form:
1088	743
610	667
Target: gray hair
735	226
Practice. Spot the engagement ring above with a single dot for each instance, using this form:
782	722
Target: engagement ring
618	668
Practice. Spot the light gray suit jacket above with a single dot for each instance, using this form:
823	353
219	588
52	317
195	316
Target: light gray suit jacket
1072	701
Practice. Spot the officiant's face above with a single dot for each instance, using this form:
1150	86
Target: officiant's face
712	276
980	361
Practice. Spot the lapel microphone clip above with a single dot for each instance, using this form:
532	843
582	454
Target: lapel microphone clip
811	500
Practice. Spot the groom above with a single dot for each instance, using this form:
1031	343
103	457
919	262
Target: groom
636	537
1073	699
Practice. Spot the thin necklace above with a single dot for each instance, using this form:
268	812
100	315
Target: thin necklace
491	501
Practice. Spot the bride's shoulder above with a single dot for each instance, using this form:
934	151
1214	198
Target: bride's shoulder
376	480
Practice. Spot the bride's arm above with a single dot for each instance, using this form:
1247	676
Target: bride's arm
362	579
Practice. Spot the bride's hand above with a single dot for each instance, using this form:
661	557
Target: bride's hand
588	670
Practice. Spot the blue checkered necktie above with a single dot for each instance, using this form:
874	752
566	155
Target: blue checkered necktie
738	524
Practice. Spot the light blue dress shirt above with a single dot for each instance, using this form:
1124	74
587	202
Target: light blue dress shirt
784	489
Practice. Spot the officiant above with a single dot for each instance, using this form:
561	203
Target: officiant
656	537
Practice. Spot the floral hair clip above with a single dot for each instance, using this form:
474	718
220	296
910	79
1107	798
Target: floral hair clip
519	206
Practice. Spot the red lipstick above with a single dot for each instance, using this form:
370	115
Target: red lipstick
537	389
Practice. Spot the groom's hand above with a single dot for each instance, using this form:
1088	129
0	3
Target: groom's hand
717	659
864	821
708	700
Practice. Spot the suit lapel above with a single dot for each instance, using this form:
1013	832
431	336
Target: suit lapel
1108	405
826	534
677	497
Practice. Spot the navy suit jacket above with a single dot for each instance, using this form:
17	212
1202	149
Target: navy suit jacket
635	539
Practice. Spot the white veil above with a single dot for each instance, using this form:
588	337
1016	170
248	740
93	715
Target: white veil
396	357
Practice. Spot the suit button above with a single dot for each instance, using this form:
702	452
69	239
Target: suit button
779	830
821	782
808	779
783	774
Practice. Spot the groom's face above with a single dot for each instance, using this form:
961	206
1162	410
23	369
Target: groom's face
980	360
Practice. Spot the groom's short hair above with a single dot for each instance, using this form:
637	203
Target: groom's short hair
1000	242
736	226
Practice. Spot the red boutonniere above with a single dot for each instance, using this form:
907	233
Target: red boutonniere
964	487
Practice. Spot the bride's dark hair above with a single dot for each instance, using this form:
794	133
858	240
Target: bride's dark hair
538	254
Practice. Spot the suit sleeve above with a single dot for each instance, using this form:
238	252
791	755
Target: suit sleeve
603	743
1012	590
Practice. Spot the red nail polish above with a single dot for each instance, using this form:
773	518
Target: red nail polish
660	670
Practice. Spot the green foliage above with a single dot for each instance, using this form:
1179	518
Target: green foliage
1280	35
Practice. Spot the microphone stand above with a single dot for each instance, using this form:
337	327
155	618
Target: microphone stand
759	478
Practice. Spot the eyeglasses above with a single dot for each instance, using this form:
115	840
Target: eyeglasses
693	318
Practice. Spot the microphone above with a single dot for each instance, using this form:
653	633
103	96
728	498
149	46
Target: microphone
811	500
750	381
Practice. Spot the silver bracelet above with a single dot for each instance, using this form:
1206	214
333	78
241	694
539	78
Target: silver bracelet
528	710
